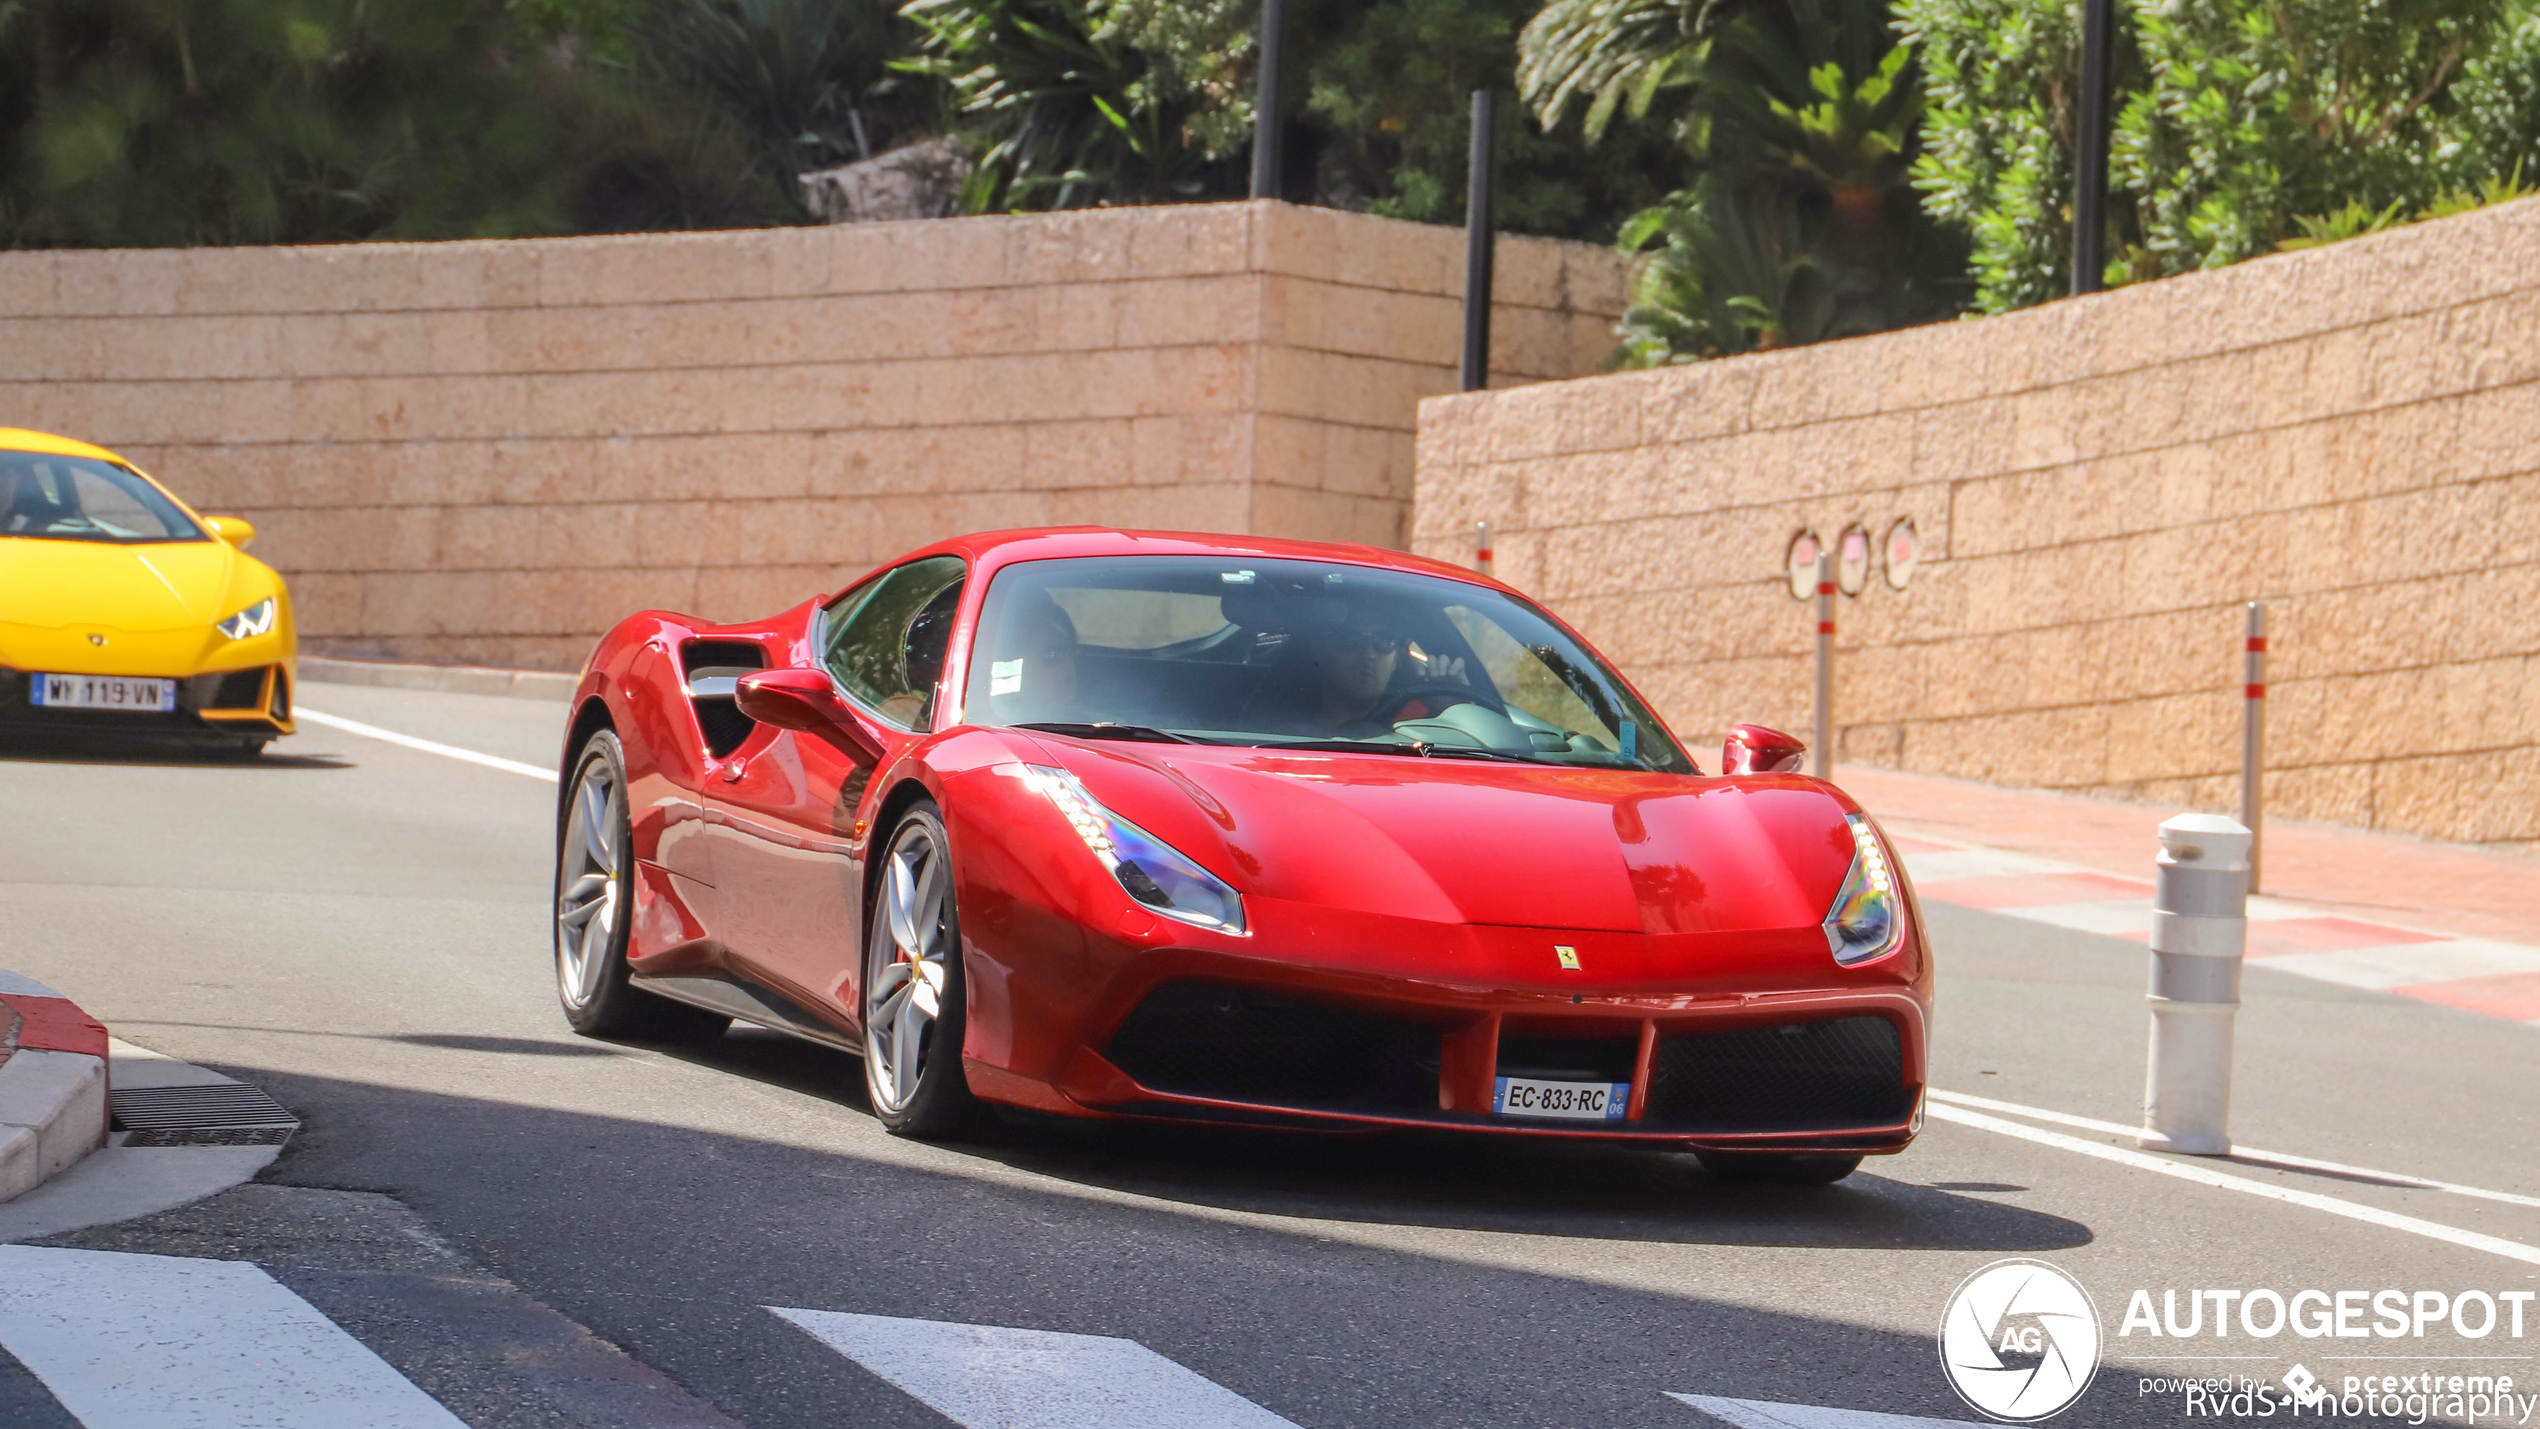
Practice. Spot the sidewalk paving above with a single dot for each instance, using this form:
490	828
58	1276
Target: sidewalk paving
2436	922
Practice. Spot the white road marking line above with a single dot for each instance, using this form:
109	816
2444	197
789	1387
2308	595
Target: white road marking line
2389	1220
1765	1414
446	751
985	1375
2406	964
2245	1153
164	1342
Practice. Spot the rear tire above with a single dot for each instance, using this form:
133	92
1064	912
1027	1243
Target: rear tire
915	997
1780	1168
595	898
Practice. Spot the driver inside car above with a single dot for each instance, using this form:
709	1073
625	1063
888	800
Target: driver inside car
1359	669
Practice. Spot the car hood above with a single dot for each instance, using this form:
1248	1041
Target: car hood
1450	840
160	586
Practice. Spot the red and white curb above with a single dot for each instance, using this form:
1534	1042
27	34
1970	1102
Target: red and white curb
52	1084
2473	974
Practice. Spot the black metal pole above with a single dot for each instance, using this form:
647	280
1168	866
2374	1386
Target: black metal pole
1265	112
2090	150
1478	184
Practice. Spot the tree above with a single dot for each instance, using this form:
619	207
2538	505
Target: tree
1143	101
2242	125
1068	109
1799	119
1387	122
163	122
807	83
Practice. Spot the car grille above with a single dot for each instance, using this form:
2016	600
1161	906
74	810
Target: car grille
1800	1076
1236	1044
1569	1059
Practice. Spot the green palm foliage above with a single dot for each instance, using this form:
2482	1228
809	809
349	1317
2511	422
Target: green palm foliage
1800	117
1067	112
809	82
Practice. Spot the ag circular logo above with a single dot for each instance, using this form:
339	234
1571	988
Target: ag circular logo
2020	1340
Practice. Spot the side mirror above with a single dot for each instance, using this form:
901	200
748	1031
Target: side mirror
234	530
1753	749
805	700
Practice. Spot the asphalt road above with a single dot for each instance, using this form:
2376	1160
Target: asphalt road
360	929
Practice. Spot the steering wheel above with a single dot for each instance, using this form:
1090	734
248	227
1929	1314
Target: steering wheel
1438	695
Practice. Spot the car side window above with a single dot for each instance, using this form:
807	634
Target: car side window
888	637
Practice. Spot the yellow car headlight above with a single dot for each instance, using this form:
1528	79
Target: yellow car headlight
256	619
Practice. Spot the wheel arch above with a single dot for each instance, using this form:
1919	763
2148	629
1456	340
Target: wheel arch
886	817
589	719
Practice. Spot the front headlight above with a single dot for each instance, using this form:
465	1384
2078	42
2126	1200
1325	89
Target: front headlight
256	619
1868	917
1152	871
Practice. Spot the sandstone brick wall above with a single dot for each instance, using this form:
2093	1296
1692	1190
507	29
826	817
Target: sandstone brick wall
490	451
2350	433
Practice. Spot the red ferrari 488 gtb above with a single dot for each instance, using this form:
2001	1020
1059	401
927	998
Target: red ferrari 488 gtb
1231	830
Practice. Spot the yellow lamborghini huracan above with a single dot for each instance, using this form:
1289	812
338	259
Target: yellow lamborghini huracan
123	611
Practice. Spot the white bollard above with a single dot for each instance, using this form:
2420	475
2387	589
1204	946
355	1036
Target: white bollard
1481	548
2200	929
1824	752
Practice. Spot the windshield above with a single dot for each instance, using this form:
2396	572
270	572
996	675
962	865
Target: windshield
1242	650
69	498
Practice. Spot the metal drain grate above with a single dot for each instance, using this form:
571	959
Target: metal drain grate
217	1114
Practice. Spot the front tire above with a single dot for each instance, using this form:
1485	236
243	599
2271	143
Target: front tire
1779	1168
914	993
595	903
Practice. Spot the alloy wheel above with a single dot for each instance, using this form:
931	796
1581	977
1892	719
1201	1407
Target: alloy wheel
587	900
904	996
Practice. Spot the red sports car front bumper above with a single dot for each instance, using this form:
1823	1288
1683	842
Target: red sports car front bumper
1348	1021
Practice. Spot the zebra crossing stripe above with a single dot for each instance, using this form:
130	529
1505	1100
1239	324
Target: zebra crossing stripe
164	1342
989	1377
1765	1414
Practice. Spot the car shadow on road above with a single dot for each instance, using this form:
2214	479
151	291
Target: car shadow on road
23	748
671	1239
1449	1180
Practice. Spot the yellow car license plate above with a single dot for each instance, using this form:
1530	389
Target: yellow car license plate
101	692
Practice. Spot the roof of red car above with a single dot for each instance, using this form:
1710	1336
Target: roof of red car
996	548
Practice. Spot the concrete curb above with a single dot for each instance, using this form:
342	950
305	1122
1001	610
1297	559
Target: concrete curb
456	679
52	1085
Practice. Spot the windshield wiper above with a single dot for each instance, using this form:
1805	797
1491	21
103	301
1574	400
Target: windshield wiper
1107	729
1417	748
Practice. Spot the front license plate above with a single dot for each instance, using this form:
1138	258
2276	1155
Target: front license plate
102	692
1563	1101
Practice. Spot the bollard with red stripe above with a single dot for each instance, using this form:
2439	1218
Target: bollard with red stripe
1481	548
1824	766
2253	735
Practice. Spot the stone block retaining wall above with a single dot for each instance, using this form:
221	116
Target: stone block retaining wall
2350	433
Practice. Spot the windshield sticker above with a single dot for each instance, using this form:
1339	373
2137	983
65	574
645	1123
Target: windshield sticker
1005	677
1236	577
